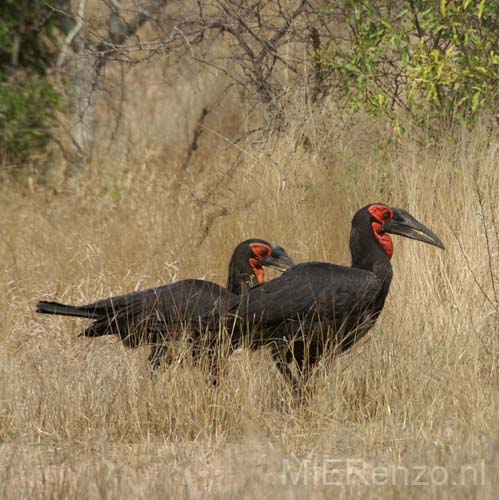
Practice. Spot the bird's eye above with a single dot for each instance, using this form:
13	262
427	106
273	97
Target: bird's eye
263	252
386	214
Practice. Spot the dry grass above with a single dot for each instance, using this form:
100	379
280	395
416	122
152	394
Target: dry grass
82	418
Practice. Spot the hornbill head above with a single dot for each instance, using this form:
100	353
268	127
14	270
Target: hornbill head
248	260
385	219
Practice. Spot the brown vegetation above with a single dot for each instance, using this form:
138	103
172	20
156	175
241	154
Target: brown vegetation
82	418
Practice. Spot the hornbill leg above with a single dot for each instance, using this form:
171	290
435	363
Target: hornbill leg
216	366
210	357
299	356
282	355
302	354
158	352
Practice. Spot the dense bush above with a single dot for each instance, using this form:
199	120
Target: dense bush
26	113
437	61
27	97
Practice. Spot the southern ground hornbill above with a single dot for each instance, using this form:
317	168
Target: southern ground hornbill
317	305
152	316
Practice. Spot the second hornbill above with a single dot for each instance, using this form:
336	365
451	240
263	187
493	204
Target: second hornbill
316	305
152	316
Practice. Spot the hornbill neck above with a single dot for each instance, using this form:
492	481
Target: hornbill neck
367	253
241	275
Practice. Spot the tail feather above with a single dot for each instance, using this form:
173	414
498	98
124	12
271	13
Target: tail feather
45	307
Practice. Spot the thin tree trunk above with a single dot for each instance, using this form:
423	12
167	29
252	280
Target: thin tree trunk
83	99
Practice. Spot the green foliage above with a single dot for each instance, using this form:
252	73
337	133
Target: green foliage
27	98
27	35
434	60
26	113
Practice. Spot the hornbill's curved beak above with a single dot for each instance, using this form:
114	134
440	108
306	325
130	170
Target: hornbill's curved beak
278	259
404	224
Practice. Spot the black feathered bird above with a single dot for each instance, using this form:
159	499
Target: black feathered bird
152	316
316	305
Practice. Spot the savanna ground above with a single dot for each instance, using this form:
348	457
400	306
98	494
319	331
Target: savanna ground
412	412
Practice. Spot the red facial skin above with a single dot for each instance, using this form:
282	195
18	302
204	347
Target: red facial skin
259	250
382	213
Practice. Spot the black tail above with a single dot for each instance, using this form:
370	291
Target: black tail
66	310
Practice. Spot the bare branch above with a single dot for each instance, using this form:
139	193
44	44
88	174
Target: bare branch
198	130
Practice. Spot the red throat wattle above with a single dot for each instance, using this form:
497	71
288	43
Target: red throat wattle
382	213
258	270
384	239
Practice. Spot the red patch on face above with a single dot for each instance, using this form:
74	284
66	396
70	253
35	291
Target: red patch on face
258	270
260	250
382	213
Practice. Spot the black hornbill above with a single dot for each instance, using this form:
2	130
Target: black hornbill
316	304
152	316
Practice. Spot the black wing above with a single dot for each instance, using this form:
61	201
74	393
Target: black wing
315	287
340	299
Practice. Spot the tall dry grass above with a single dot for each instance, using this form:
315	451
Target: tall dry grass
81	418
